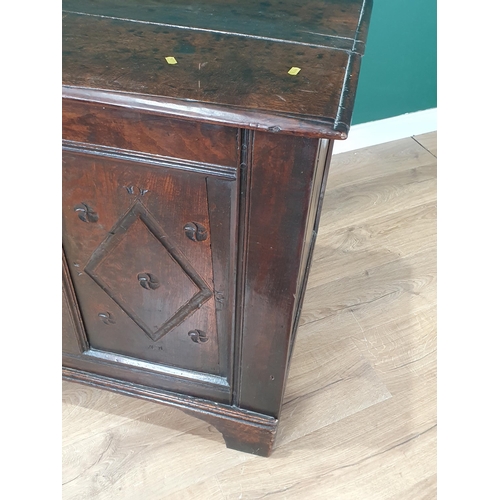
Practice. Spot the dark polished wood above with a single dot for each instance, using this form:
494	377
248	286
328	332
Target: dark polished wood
151	133
235	55
192	193
244	430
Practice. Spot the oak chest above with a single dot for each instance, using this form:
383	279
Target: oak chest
196	143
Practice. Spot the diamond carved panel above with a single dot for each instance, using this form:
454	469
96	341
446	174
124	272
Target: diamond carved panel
143	272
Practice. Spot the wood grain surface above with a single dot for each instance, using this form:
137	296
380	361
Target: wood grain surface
234	55
359	418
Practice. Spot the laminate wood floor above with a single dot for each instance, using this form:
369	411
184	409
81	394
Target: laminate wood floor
359	420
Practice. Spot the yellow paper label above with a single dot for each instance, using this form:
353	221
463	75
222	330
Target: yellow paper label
294	71
171	60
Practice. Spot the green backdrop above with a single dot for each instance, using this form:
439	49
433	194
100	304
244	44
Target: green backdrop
398	70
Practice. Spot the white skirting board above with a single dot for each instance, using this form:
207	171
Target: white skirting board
387	130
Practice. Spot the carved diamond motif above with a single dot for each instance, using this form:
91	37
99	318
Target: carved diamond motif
137	246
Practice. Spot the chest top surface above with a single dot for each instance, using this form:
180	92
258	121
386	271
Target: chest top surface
231	59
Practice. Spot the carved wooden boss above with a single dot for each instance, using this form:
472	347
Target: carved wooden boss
196	142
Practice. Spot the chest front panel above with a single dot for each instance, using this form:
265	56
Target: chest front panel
149	243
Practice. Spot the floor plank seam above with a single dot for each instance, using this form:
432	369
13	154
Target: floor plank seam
420	144
397	445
